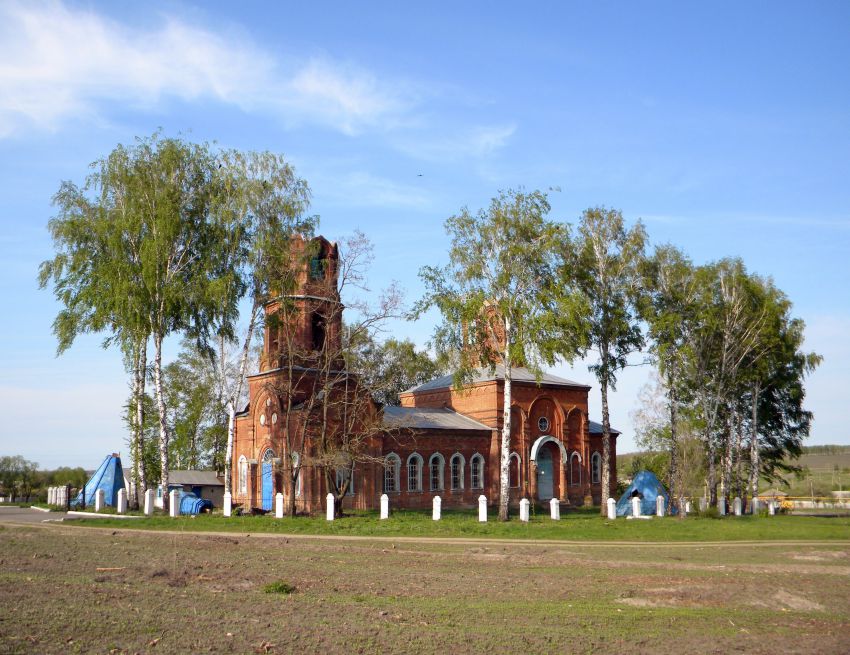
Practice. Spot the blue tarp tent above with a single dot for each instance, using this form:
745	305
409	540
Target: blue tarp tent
109	477
648	488
191	504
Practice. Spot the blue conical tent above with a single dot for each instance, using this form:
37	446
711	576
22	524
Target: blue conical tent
647	486
109	477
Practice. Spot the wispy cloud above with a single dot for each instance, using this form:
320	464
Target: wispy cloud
58	62
364	189
475	142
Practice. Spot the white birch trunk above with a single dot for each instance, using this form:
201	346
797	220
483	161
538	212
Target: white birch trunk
505	459
163	425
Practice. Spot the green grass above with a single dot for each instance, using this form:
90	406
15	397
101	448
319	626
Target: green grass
279	587
578	525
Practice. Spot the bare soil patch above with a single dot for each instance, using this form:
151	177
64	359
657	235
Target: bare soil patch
67	590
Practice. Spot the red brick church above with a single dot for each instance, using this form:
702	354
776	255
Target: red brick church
440	441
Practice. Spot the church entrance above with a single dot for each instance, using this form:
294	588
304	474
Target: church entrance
545	474
268	481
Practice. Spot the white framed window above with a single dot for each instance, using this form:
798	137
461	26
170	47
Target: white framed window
513	471
575	469
242	470
476	471
596	468
414	472
436	468
392	469
344	474
456	466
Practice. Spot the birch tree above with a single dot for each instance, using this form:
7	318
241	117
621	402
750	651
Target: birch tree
498	299
607	261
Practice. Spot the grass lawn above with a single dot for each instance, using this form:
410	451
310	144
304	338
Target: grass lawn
121	591
579	525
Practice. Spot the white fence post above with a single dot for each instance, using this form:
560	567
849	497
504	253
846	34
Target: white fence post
612	509
329	514
688	508
385	506
555	509
227	510
436	508
149	497
771	507
721	505
524	505
278	505
122	501
99	498
736	506
636	506
174	503
660	506
755	506
51	498
482	508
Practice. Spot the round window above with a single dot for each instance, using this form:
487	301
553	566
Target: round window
543	423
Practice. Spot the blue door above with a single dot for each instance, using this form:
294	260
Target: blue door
544	474
268	490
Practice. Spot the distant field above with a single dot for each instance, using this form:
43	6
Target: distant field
121	592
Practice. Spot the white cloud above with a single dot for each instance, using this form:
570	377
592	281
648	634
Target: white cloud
477	142
57	62
366	190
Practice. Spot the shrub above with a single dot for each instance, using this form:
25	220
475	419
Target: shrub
279	587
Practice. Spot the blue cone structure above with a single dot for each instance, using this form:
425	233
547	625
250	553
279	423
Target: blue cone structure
109	477
648	488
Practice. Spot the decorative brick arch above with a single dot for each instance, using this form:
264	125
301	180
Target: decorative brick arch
540	441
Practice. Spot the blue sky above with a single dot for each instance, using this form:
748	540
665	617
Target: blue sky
725	127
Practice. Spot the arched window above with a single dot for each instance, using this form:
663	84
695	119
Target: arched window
243	475
414	472
513	471
476	471
596	468
456	464
345	474
575	469
436	466
392	468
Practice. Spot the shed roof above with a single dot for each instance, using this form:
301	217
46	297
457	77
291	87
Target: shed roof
596	428
424	418
208	478
484	374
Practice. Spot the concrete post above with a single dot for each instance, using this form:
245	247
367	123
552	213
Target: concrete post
555	509
149	495
482	508
755	506
688	507
51	498
703	504
278	505
660	505
636	507
721	506
612	509
736	506
329	514
122	501
385	506
436	508
771	507
524	506
174	503
99	500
